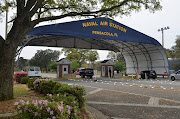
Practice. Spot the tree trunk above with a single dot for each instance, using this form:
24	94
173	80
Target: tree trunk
6	71
8	49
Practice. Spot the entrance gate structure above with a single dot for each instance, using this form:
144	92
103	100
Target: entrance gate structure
141	52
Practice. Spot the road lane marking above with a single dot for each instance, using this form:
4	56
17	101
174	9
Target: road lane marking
131	104
153	101
95	91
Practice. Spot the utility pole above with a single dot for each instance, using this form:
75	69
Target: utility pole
162	30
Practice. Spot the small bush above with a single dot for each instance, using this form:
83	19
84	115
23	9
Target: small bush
24	80
37	83
67	99
47	86
19	75
30	83
43	109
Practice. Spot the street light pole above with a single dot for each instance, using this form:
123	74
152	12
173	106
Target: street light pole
162	30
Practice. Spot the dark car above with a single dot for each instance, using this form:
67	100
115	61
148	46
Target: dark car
86	72
149	74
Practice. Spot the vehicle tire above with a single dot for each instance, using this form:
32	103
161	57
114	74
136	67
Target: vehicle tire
83	76
173	78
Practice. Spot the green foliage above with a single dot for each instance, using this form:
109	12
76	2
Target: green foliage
44	109
92	57
53	66
80	55
116	56
43	58
24	80
47	86
21	63
76	54
75	65
19	75
119	66
174	52
67	99
30	83
84	7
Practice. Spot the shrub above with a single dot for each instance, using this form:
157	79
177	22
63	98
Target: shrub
47	86
67	100
37	83
44	109
19	75
24	80
30	83
77	91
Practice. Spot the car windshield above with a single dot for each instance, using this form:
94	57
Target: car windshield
37	69
31	68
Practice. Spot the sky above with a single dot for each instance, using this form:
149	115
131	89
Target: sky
143	21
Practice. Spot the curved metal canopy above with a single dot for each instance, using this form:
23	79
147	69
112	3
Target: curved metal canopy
140	51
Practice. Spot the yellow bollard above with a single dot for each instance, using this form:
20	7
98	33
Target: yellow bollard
132	76
63	75
137	76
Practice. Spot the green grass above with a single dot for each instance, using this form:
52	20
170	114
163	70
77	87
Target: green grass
49	72
20	90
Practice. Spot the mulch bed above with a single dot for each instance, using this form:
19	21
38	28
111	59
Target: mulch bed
8	106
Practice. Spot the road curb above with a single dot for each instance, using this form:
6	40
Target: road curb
94	113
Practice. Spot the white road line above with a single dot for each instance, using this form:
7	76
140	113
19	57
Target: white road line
153	101
131	104
95	91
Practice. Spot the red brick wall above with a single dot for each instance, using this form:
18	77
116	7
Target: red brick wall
60	69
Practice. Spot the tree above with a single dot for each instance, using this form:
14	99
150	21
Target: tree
53	66
119	66
29	13
75	65
92	57
76	54
43	58
21	63
116	56
174	52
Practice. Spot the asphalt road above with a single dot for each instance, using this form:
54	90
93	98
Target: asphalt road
126	98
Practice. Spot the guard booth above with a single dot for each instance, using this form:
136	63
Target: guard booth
107	68
63	67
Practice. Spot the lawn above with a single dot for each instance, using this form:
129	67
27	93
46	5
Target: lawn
20	90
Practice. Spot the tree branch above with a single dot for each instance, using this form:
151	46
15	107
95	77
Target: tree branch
1	41
36	7
89	13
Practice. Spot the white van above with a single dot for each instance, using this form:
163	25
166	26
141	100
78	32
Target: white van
33	71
